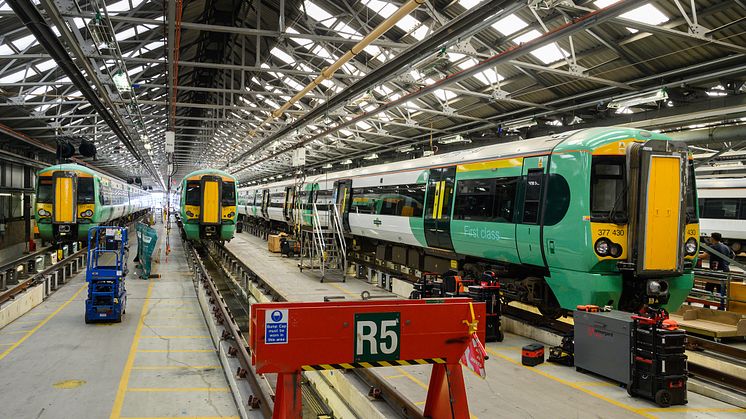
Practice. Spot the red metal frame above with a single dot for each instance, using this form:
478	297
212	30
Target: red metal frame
325	334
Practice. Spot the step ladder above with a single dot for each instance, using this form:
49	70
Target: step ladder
323	245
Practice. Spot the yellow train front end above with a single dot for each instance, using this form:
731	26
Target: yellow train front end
208	205
65	203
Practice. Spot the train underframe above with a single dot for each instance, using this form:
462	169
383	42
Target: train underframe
68	233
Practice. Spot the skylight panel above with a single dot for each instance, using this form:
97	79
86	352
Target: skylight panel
646	13
293	84
136	70
489	77
271	103
420	33
444	95
25	42
6	50
282	55
364	125
123	6
382	8
549	53
45	65
301	41
468	4
509	25
316	12
346	31
17	76
528	36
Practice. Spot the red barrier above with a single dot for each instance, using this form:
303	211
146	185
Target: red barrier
287	338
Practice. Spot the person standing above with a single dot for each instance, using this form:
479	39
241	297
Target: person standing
718	263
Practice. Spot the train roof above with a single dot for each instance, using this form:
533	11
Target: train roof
88	170
584	139
203	172
721	183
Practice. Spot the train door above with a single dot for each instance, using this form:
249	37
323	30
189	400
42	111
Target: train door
211	188
287	208
65	198
265	203
343	200
438	203
528	226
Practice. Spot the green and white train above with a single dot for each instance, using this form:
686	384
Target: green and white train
603	216
71	198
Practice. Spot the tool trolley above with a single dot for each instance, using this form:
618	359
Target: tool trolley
105	273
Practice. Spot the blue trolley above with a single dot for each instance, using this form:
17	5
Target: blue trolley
105	273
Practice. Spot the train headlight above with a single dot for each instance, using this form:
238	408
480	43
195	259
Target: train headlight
44	213
691	246
602	247
615	250
87	213
189	214
231	214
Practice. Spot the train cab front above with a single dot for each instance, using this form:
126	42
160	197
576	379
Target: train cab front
64	205
210	204
656	248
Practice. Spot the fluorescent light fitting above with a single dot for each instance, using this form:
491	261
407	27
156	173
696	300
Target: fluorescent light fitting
348	161
405	149
327	166
639	99
371	157
521	123
121	82
454	139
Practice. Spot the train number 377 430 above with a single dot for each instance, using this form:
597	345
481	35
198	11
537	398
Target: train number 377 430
605	232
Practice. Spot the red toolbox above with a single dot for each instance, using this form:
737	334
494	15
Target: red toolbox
532	354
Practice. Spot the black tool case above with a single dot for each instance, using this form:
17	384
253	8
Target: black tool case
658	368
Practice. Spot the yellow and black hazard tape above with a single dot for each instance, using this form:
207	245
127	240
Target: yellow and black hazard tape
373	364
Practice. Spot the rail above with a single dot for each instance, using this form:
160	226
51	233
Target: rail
265	401
8	270
247	279
64	268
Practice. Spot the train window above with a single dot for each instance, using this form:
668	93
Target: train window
474	200
192	193
532	196
721	208
44	193
608	188
691	205
85	190
397	200
558	199
486	199
228	194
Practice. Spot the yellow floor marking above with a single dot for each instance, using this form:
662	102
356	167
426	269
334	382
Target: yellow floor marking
412	377
174	326
68	384
174	350
175	337
391	377
595	384
42	323
420	403
573	385
124	380
176	390
182	417
176	367
693	409
341	288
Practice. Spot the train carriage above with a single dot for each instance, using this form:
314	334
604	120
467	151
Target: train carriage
602	216
71	198
208	206
722	209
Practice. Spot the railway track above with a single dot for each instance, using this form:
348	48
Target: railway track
231	287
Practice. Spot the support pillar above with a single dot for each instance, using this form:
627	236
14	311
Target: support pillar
288	396
446	394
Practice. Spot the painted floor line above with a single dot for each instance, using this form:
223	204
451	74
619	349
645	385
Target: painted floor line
42	323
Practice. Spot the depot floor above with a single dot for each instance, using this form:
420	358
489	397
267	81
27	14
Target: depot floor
160	363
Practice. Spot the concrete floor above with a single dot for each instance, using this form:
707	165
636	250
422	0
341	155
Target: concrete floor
159	362
510	389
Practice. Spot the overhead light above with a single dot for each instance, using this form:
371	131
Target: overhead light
405	149
346	162
371	157
148	146
521	123
454	139
639	99
328	166
121	82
